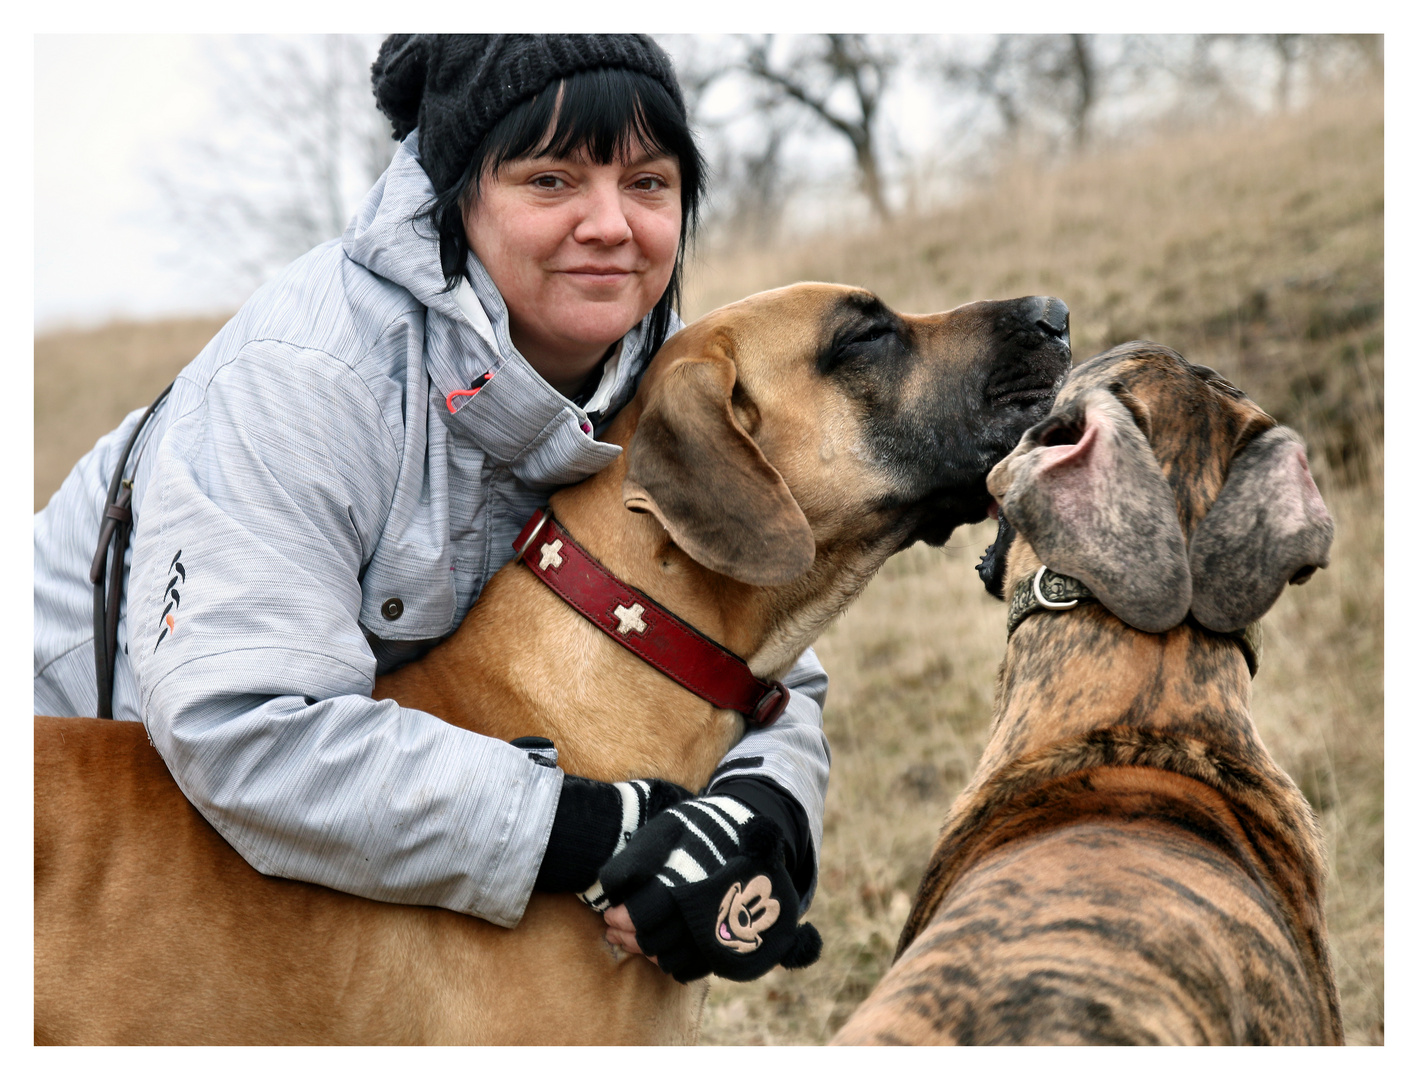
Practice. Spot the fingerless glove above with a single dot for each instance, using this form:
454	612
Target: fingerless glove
708	890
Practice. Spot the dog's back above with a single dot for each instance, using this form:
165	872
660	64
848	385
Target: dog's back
1121	910
94	782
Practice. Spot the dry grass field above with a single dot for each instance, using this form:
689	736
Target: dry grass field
1257	250
86	382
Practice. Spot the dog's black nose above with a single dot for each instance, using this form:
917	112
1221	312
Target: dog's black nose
1050	314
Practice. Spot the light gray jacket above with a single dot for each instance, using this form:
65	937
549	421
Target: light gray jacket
304	473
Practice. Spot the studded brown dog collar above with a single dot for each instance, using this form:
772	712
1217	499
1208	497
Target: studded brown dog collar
637	623
1050	591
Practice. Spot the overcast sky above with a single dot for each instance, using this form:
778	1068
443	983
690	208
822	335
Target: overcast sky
102	103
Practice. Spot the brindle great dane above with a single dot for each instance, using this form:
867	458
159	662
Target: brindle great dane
1128	865
778	451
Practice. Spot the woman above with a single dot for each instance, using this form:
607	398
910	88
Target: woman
316	502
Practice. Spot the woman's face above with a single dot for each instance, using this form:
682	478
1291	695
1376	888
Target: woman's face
580	252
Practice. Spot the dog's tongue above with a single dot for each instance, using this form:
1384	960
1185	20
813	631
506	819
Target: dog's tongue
993	512
991	565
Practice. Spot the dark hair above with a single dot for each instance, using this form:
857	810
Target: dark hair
602	112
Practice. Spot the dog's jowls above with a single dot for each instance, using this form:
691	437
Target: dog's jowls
778	451
1128	864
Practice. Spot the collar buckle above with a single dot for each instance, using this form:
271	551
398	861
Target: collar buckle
1045	602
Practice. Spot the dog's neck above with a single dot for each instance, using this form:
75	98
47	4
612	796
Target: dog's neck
636	548
611	715
1087	671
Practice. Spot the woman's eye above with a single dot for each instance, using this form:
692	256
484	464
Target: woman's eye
650	183
548	183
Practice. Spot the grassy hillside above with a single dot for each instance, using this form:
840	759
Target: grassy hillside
1257	251
86	381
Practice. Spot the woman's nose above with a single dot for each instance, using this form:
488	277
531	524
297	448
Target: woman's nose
604	219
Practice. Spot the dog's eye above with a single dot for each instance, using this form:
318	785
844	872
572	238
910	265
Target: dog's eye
857	348
870	334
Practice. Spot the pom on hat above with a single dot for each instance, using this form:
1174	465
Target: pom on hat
398	74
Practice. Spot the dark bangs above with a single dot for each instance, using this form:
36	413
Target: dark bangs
603	112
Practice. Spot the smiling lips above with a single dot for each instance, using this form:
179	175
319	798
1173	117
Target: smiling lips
599	274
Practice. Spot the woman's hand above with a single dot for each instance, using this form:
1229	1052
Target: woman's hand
620	930
708	885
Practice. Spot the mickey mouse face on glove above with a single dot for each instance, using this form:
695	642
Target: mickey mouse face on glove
745	913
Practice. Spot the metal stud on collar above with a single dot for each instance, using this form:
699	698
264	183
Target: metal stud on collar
528	542
1052	605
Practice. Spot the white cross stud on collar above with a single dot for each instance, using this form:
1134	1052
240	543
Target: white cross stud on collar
550	556
630	619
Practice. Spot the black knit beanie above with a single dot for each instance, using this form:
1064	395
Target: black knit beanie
456	87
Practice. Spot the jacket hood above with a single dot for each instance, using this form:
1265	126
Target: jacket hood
517	418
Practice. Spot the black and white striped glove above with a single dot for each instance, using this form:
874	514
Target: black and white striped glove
707	887
593	821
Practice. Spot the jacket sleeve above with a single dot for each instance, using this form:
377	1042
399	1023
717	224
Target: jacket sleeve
266	497
792	752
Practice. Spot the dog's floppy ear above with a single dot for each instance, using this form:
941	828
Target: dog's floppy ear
1099	509
1268	526
694	467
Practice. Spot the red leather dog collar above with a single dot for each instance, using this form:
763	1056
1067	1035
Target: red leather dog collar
632	619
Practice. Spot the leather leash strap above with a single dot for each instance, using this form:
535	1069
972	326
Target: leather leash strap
107	579
633	620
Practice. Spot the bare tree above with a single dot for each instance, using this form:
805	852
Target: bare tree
1317	61
1201	77
1078	68
744	142
1281	71
993	79
755	179
295	143
1286	50
857	63
1059	93
1037	83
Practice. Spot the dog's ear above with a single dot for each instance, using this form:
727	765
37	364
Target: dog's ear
1268	526
1087	493
694	467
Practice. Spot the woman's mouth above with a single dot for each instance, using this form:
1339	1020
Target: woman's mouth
598	274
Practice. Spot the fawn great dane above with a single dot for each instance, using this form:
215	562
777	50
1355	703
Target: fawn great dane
1128	864
778	451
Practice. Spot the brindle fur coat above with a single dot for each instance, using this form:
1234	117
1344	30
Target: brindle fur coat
1128	864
